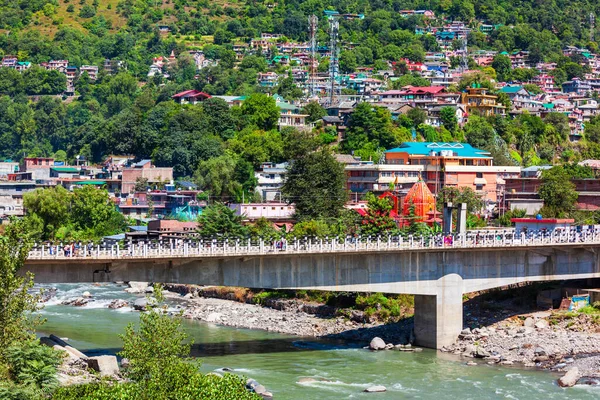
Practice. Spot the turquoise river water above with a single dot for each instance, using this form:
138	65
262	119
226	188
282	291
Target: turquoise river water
278	361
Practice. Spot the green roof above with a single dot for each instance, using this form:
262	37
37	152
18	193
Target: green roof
511	89
424	148
97	183
65	169
548	106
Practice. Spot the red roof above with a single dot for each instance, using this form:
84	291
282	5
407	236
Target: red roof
423	89
191	94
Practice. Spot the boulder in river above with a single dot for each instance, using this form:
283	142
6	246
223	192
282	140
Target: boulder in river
77	302
570	378
377	343
86	295
375	389
118	304
106	365
143	304
136	287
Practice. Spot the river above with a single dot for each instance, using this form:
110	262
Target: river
278	361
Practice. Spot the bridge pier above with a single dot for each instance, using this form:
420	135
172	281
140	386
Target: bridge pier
439	318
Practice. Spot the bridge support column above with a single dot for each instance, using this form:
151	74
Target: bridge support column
439	318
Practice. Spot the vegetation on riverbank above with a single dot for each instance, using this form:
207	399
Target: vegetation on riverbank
373	307
159	367
157	351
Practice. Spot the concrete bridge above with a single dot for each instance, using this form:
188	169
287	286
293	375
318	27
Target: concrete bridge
437	270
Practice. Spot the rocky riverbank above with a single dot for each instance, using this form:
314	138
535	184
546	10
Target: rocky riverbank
542	340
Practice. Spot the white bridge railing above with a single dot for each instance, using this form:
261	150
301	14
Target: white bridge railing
182	248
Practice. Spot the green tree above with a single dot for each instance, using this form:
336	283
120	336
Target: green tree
315	183
558	192
377	220
314	111
17	302
503	66
220	221
455	195
448	118
262	111
51	206
227	178
417	115
479	132
94	213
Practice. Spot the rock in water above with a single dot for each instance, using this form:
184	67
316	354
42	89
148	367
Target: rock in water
136	287
118	304
77	302
149	289
307	380
143	304
86	295
106	365
375	389
570	378
377	344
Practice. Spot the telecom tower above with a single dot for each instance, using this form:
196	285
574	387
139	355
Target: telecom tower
312	26
464	62
334	29
592	26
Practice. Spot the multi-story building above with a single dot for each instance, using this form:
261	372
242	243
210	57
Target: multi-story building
144	170
477	100
438	164
92	71
577	86
270	178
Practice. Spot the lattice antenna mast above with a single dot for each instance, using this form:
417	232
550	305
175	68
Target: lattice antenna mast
334	29
464	64
312	26
592	26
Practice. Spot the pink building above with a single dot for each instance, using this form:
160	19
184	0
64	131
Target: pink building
144	169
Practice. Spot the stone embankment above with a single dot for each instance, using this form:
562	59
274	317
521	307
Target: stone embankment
285	316
540	341
77	368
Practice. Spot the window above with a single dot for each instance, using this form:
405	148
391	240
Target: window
469	162
480	174
478	187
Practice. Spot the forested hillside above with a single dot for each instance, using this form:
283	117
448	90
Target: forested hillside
131	113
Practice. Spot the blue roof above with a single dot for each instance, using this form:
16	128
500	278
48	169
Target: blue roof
425	148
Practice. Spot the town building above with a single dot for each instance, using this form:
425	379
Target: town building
191	97
477	100
92	71
270	211
144	170
438	164
270	178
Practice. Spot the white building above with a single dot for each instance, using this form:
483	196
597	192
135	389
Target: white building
270	179
270	211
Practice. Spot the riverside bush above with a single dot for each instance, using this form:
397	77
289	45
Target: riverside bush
158	369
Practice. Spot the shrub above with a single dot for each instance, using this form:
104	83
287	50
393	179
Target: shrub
32	364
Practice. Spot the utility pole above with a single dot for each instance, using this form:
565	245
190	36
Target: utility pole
334	29
592	26
312	26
